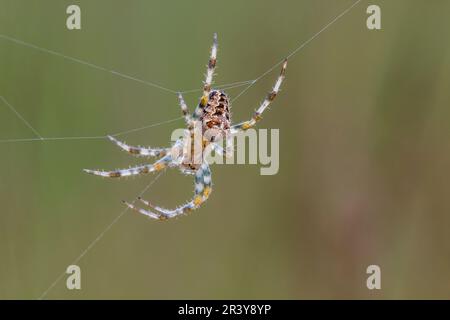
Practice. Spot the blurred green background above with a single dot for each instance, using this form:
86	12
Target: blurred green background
364	154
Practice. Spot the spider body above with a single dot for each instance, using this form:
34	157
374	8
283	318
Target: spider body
212	118
216	117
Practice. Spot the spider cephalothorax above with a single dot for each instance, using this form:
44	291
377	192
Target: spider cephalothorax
213	119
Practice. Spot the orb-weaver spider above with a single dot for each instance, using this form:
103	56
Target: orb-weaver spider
213	116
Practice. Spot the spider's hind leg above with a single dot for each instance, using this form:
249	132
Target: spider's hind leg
202	191
143	211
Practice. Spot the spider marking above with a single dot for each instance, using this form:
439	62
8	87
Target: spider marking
213	114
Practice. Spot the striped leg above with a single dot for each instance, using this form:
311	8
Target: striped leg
157	166
270	97
211	67
202	192
140	151
185	110
209	78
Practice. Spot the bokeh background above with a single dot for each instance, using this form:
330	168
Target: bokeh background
364	151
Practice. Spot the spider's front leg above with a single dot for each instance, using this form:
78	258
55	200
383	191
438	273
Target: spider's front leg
157	166
208	80
140	151
211	67
202	191
270	97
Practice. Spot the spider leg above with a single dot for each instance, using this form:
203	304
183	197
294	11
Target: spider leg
269	98
209	78
140	151
228	152
157	166
148	213
211	67
185	110
144	212
218	149
201	194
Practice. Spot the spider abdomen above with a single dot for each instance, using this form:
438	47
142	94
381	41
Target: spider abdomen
216	118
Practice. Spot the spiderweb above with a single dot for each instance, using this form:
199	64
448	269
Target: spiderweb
247	84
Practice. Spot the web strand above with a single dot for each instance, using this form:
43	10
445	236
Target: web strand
51	139
29	45
222	86
97	67
145	127
21	118
98	238
90	137
300	47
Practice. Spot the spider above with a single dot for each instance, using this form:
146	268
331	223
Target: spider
213	117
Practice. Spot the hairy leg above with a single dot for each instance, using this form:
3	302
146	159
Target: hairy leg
208	81
202	191
157	166
269	98
140	151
